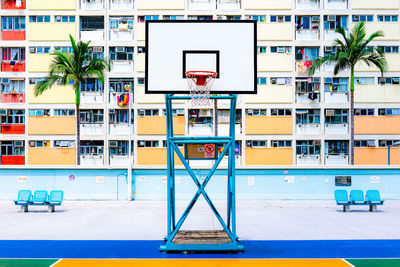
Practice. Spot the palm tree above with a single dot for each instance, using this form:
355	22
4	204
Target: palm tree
350	50
67	68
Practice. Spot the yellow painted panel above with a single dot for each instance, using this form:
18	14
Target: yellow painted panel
269	156
142	98
280	62
155	156
39	62
271	94
51	156
156	125
275	31
140	31
267	4
52	4
268	125
373	4
140	62
44	125
160	4
393	61
376	156
375	93
372	125
202	262
58	31
56	95
390	29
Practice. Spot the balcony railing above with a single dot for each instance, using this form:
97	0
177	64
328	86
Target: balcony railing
92	4
13	4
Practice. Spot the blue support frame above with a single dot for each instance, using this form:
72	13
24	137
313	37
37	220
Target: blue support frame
173	226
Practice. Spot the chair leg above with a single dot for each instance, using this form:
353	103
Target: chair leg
51	208
372	208
24	208
346	208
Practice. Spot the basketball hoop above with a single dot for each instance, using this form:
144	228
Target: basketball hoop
200	83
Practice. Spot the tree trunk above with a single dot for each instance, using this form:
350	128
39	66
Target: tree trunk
351	145
78	129
215	117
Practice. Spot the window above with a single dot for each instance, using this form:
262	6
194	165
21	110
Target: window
140	80
388	112
308	116
389	49
92	23
309	147
96	52
386	143
281	112
64	143
388	80
147	143
92	148
121	53
12	148
200	116
64	18
281	80
336	85
261	49
121	23
34	19
13	54
141	50
39	50
366	18
92	85
232	17
92	116
122	85
364	80
64	112
364	143
336	116
281	18
119	148
307	23
388	18
14	116
256	112
364	112
259	18
330	50
307	53
261	80
332	22
144	18
13	24
39	112
169	17
256	143
336	147
281	49
13	86
118	116
307	85
148	112
175	112
35	80
63	49
281	143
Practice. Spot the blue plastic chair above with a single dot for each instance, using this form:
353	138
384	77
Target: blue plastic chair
24	196
39	198
56	198
357	197
373	197
342	199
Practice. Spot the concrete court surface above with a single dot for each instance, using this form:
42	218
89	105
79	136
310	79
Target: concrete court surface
146	220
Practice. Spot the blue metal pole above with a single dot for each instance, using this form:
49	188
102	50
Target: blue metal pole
233	177
172	163
389	155
169	178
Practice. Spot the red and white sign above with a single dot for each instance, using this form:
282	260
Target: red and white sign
209	151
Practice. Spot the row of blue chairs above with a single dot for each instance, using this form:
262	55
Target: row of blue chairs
39	198
356	197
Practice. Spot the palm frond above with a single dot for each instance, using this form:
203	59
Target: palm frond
45	84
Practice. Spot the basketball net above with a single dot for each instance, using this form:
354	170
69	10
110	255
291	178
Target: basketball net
200	83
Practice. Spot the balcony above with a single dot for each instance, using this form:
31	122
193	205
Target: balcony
331	35
308	128
122	66
13	66
92	28
13	4
336	160
228	4
7	128
92	4
13	35
201	129
307	35
310	98
51	156
336	128
12	160
307	4
336	4
119	160
199	4
12	97
92	160
336	97
46	125
302	66
308	90
92	98
121	4
121	29
97	35
308	160
121	129
90	129
269	156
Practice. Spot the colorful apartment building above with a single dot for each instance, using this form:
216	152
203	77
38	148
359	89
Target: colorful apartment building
293	120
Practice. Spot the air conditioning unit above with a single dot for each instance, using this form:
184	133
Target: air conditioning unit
5	81
330	112
120	49
112	111
356	18
331	18
18	143
141	112
281	49
315	19
113	144
205	113
98	49
32	50
328	49
32	143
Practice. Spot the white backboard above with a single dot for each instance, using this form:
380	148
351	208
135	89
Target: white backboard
226	47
